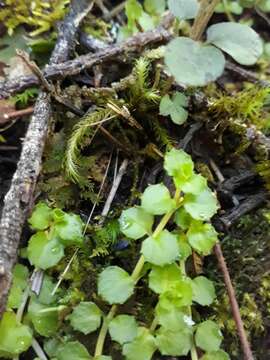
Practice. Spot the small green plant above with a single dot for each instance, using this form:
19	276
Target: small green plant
193	63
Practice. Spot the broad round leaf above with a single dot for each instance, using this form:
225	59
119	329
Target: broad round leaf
216	355
238	40
15	338
46	323
72	350
195	185
155	6
123	329
172	317
182	218
157	200
179	295
203	290
174	343
184	9
174	107
179	165
201	206
208	336
41	216
192	63
70	229
20	275
161	278
202	237
135	222
85	317
44	253
162	249
142	347
115	285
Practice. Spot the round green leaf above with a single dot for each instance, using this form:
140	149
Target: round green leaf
142	347
85	317
185	248
178	295
135	222
172	317
72	350
155	7
157	200
19	282
70	229
238	40
203	290
195	185
202	237
216	355
41	217
44	253
123	329
174	107
192	63
102	357
179	165
45	323
173	343
208	336
184	9
161	278
201	206
15	338
162	249
182	218
115	285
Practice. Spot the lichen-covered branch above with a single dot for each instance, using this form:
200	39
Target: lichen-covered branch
19	198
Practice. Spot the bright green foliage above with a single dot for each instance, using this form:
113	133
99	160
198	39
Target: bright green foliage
162	249
173	343
32	13
69	228
182	219
41	217
231	6
202	206
184	9
179	165
102	357
45	296
157	200
203	291
15	338
86	317
216	355
142	347
123	329
179	295
195	185
155	7
19	283
185	248
202	237
175	107
208	336
27	95
238	40
72	350
171	317
192	63
45	321
115	285
44	252
136	222
162	278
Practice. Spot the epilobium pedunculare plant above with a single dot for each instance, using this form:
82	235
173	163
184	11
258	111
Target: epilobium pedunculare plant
195	63
164	253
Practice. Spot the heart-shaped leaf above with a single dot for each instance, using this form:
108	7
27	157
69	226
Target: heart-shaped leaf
238	40
192	63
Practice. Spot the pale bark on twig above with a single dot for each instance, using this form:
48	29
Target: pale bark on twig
19	199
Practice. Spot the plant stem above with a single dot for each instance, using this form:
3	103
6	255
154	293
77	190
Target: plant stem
103	330
135	276
205	13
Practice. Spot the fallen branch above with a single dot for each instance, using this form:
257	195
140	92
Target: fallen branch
19	199
134	44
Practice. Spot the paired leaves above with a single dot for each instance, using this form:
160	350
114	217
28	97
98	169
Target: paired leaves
175	107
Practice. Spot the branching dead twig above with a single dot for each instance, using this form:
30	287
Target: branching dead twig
18	201
133	45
